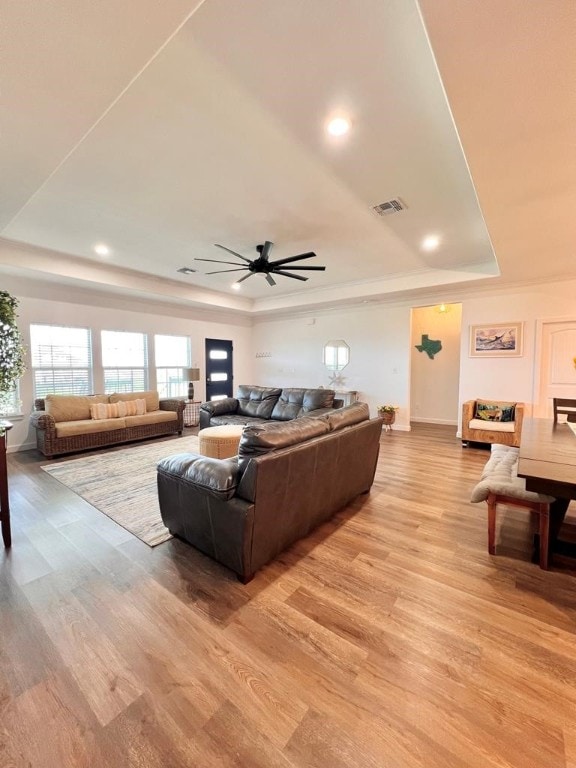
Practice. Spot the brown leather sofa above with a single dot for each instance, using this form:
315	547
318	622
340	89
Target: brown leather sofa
254	405
286	480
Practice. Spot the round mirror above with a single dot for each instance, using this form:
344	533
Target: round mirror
336	355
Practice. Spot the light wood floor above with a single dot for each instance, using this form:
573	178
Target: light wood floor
387	639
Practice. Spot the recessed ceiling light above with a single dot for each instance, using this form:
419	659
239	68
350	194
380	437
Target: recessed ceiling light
102	250
338	126
186	270
236	287
430	243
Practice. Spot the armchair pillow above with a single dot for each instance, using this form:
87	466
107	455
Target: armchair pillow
490	410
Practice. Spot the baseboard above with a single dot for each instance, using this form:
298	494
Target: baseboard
446	422
398	428
22	447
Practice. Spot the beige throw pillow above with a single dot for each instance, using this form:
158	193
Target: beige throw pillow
118	410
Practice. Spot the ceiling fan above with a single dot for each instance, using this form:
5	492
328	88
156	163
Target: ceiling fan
262	265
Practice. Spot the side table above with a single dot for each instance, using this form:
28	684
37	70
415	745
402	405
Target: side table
192	413
4	500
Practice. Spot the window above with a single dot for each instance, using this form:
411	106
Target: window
172	363
125	361
10	403
61	360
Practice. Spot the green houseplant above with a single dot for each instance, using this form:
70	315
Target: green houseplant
387	413
11	351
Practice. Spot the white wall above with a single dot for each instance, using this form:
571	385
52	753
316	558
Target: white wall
379	336
379	341
50	303
511	378
435	382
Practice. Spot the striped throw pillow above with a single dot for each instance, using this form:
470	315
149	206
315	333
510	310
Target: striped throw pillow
131	407
100	411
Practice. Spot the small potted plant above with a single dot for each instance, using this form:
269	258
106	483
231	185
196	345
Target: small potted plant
387	413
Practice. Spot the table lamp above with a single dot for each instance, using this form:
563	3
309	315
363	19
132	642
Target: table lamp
192	374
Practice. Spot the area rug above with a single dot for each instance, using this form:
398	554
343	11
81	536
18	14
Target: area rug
122	484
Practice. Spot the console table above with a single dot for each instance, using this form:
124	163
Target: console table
348	396
4	500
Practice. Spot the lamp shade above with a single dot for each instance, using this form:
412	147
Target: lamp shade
193	374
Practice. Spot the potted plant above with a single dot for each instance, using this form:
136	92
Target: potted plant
11	351
387	413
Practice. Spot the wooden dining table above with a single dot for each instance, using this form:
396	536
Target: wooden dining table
547	461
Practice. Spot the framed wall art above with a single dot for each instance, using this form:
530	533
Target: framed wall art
496	340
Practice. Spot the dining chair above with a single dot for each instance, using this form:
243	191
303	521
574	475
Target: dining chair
565	406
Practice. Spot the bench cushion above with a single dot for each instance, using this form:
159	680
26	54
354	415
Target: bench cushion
500	476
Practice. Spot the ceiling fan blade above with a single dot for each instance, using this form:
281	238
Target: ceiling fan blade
316	269
270	279
287	274
245	277
266	250
232	252
218	261
280	262
220	271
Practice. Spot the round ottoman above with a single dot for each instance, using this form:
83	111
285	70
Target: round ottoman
220	442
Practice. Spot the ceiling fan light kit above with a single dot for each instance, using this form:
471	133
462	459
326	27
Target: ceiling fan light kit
262	265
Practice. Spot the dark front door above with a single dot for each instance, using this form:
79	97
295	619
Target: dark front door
219	378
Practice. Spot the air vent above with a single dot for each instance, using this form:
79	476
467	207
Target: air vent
186	270
389	207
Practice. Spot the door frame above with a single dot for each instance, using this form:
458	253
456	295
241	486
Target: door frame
537	393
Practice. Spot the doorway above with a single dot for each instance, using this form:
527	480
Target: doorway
555	375
219	369
435	364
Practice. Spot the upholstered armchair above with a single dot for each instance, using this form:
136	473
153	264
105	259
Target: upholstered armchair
491	421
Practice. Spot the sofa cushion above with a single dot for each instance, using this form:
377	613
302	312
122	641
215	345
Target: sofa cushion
218	477
492	426
256	401
260	439
88	426
151	396
295	402
344	417
233	418
156	417
71	407
490	410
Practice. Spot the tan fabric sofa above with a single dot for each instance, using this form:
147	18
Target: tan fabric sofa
63	423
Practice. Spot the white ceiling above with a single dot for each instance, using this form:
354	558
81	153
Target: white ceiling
163	128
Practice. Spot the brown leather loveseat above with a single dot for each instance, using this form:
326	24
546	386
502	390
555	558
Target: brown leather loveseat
286	480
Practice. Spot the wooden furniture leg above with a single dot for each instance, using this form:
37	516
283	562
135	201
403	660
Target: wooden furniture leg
543	511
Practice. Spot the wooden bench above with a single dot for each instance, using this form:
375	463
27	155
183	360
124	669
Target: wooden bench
500	484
